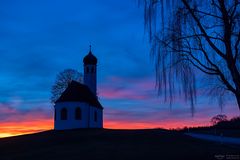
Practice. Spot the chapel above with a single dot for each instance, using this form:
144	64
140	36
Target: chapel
78	106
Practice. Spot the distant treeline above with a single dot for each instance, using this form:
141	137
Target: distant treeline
233	123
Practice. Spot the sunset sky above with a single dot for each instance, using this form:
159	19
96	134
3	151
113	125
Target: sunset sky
40	38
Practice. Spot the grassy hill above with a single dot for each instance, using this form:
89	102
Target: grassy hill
104	144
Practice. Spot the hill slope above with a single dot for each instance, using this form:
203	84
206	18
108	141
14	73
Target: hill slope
110	144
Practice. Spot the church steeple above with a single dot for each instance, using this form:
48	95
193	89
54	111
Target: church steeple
90	71
78	105
90	58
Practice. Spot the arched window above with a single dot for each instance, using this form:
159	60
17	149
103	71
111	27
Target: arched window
87	69
78	113
95	116
63	114
92	70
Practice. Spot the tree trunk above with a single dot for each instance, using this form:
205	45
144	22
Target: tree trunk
236	79
238	99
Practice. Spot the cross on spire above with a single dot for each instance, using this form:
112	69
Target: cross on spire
90	48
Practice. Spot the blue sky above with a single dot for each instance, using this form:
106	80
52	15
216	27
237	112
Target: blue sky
40	38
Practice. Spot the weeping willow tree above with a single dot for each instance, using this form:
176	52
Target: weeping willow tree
190	37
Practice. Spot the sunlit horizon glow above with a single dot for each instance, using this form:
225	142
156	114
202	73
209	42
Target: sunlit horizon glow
15	129
19	128
34	125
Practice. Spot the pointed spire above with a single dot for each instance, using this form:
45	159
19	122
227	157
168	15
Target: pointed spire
90	58
90	49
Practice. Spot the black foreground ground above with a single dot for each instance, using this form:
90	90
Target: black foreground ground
104	144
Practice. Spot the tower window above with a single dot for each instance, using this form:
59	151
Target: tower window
92	70
78	113
87	69
64	114
95	116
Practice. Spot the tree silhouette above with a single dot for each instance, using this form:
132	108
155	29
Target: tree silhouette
62	80
195	37
218	118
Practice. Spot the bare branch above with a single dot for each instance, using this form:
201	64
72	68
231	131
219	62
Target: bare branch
236	47
220	53
206	13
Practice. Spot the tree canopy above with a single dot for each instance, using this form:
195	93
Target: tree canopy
192	37
62	80
218	118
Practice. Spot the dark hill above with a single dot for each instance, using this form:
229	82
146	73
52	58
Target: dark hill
104	144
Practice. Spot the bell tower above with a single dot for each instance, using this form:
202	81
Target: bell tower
90	71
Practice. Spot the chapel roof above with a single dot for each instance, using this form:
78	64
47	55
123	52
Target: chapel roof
77	92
